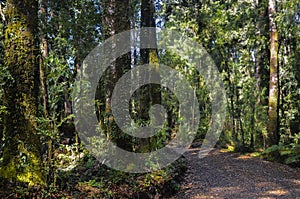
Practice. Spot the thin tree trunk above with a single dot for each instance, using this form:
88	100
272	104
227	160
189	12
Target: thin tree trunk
261	60
45	53
273	125
1	63
149	94
43	78
123	63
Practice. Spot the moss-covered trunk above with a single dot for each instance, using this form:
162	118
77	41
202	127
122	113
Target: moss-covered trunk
273	134
149	94
21	157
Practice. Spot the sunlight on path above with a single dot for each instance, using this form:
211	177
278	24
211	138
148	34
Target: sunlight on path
230	175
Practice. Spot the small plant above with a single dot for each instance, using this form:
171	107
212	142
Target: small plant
288	154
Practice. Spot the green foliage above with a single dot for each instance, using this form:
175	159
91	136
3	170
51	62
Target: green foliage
288	154
235	34
102	181
171	103
93	183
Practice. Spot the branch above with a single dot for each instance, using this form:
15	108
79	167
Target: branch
1	13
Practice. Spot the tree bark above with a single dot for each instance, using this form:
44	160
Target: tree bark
115	20
22	153
273	124
149	94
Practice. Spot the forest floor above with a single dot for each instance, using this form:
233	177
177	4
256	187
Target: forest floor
231	175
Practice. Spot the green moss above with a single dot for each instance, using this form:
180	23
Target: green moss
24	168
21	157
229	149
153	57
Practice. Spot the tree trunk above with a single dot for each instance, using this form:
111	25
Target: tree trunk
2	24
43	82
115	20
108	30
22	152
123	63
149	94
273	125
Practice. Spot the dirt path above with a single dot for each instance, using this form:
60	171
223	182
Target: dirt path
232	176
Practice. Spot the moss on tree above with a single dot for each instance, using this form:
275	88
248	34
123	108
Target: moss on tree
21	157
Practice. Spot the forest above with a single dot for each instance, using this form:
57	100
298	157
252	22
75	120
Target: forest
149	99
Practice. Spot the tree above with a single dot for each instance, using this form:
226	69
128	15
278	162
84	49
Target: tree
149	94
22	151
3	74
115	19
273	127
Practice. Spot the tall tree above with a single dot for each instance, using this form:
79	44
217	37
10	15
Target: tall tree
149	94
261	73
273	128
22	151
150	56
115	19
2	72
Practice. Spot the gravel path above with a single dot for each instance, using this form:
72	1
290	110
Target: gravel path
230	175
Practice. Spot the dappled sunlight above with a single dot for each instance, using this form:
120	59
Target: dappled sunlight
297	182
278	192
264	185
150	99
231	175
225	189
199	196
244	157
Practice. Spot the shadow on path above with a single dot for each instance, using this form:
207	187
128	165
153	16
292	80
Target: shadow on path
231	175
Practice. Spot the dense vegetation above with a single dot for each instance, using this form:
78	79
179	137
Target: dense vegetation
254	44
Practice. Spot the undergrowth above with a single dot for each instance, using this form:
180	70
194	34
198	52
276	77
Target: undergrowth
91	179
